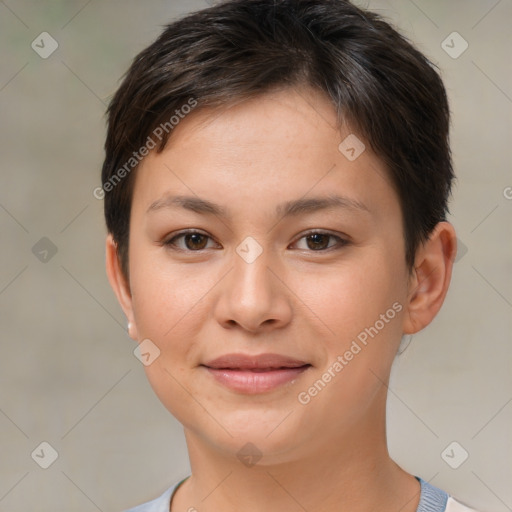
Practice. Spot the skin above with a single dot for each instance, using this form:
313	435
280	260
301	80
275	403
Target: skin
294	299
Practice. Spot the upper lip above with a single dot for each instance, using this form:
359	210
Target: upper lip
249	362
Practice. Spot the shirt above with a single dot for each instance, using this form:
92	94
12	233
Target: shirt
432	499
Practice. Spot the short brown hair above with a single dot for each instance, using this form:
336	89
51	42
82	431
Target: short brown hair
387	91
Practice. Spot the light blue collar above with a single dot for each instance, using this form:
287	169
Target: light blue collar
432	499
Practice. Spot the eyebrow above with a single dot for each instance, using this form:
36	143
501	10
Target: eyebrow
286	209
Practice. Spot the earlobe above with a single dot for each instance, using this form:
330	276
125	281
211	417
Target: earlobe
119	284
431	278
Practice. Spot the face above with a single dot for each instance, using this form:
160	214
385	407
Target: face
255	239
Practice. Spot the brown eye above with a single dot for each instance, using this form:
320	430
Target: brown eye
318	241
195	241
191	241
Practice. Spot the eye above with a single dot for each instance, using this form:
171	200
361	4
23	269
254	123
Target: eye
190	241
319	241
195	241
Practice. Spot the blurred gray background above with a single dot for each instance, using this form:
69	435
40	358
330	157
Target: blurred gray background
68	376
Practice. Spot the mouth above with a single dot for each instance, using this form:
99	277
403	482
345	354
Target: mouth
255	374
261	370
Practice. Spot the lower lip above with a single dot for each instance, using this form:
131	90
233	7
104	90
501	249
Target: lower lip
246	381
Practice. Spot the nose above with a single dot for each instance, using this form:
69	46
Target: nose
253	296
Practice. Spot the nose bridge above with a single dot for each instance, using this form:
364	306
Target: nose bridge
252	296
251	279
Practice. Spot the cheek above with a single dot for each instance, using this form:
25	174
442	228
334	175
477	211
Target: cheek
362	304
171	304
352	297
161	293
167	305
159	297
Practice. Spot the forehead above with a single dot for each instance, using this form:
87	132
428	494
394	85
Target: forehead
269	149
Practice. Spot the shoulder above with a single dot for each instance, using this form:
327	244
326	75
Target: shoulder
453	505
160	504
433	499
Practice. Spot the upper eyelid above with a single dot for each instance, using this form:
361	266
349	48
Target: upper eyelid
342	239
179	234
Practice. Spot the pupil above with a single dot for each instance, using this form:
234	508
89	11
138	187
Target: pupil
195	239
317	240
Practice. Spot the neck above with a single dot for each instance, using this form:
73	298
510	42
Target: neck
350	472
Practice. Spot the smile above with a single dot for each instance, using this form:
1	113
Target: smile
256	380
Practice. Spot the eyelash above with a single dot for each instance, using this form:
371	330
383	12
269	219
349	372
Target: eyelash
171	242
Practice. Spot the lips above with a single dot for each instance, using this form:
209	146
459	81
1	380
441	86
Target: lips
255	374
262	362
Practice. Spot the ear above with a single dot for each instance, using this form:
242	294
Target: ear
120	285
431	277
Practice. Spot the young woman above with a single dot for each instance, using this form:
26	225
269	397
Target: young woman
276	182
